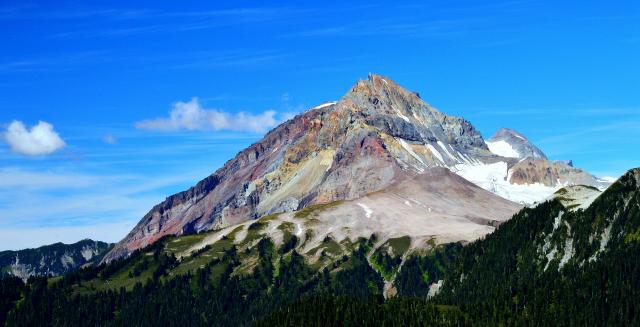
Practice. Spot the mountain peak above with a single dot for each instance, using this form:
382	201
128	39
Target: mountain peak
376	134
379	85
511	144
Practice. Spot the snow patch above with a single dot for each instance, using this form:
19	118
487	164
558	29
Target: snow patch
568	252
503	149
444	147
435	152
493	177
604	240
399	114
367	211
298	229
408	148
326	104
434	289
608	179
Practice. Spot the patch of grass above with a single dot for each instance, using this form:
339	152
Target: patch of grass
180	244
252	235
331	246
120	279
632	237
562	191
268	218
432	242
258	226
248	261
216	251
308	235
287	229
311	222
313	209
399	245
53	280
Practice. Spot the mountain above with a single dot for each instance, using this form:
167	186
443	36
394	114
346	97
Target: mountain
557	264
411	210
511	144
571	260
54	260
375	136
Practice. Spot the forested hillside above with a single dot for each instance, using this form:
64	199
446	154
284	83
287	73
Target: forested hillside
548	265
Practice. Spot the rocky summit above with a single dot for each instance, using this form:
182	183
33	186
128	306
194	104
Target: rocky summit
375	136
509	143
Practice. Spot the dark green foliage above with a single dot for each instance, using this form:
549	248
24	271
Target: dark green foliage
11	289
418	272
348	311
205	298
502	279
386	263
201	251
289	244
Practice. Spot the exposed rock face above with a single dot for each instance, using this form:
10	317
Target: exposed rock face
551	173
511	144
377	133
433	207
55	259
576	196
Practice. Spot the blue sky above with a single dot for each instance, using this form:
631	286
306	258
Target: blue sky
106	75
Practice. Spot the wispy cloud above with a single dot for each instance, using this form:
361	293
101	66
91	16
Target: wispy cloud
230	59
253	13
428	28
578	134
226	59
31	198
130	23
63	62
576	111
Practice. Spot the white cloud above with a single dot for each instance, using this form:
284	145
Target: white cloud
110	139
192	116
41	139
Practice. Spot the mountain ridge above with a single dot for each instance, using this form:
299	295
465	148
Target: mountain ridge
54	259
376	134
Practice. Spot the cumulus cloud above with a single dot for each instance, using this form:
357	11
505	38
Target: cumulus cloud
41	139
192	116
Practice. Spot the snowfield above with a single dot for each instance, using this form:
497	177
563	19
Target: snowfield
503	149
494	178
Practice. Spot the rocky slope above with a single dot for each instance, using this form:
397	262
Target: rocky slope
55	259
435	207
522	172
376	135
551	173
511	144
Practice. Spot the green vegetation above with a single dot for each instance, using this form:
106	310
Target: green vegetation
347	311
504	279
399	245
313	209
238	288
